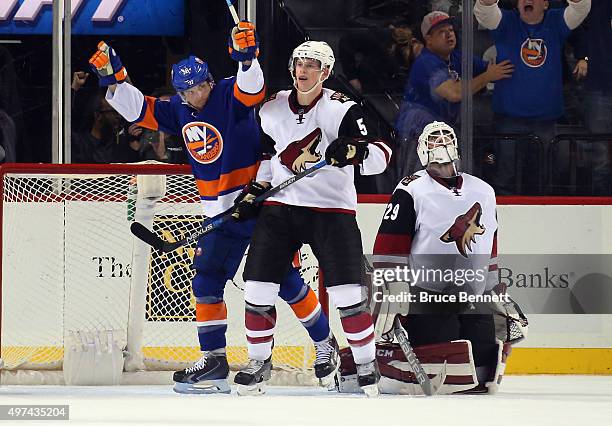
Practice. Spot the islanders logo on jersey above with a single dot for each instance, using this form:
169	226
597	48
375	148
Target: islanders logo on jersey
465	229
204	142
534	52
299	153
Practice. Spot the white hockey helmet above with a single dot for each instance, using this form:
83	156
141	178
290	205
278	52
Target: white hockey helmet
318	50
437	144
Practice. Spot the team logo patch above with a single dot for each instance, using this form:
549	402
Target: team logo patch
465	229
339	96
270	98
203	141
406	180
534	52
299	154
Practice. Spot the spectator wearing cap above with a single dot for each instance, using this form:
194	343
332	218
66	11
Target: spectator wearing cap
532	38
594	38
433	91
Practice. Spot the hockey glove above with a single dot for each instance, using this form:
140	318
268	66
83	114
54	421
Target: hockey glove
344	151
107	65
244	207
243	42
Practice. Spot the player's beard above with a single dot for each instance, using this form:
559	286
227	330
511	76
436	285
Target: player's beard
108	132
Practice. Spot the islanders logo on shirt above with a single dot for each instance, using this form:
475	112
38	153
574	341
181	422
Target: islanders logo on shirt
203	141
534	52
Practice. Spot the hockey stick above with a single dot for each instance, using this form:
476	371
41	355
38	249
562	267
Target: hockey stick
232	10
430	387
209	225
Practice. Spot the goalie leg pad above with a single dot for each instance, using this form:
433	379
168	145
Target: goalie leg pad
398	379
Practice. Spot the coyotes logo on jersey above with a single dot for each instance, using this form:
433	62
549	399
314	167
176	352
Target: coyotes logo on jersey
465	229
299	153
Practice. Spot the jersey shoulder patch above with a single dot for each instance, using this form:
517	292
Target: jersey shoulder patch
270	98
406	180
340	97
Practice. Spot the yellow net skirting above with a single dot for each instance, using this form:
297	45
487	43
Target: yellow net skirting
51	357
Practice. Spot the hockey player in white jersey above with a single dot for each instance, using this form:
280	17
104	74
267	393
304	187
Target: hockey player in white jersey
302	126
439	219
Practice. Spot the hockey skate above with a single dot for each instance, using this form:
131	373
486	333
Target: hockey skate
368	377
208	375
327	360
252	379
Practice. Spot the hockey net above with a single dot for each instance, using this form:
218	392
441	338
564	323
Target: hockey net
70	263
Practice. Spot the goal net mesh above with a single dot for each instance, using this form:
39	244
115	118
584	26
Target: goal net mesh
68	265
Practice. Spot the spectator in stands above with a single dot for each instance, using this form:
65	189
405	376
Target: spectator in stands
11	114
433	91
532	38
102	142
378	13
158	145
379	59
594	38
8	136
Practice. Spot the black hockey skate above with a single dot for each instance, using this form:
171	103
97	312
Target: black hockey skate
251	380
208	375
368	377
327	360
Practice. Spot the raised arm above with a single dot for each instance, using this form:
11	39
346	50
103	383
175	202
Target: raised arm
487	13
575	12
244	48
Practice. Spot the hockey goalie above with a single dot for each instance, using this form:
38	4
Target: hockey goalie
435	269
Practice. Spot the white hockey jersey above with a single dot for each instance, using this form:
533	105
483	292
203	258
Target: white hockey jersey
301	135
431	225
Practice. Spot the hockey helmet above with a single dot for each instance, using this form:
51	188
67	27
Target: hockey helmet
437	144
189	73
318	50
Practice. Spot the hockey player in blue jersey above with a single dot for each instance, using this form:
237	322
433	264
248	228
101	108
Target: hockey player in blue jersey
217	123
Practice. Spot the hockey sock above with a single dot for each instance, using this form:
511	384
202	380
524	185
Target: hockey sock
356	321
312	317
259	322
359	331
211	320
304	303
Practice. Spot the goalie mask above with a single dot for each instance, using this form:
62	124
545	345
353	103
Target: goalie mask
437	144
318	50
190	72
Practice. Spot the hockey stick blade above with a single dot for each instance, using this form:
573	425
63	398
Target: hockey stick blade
430	386
209	225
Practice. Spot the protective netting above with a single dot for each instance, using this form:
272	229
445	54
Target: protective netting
67	265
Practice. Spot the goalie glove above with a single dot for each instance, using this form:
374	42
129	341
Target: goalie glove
346	151
107	65
243	42
244	206
511	325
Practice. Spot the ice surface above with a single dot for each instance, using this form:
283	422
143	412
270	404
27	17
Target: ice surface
522	400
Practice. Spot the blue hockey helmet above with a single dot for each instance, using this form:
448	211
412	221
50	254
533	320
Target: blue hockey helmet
189	73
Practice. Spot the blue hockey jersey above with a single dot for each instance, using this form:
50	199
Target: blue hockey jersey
222	139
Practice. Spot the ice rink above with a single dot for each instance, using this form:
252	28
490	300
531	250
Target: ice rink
523	400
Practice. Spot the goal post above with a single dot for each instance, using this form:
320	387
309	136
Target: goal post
70	264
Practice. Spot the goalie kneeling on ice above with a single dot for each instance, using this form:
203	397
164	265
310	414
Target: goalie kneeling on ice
397	378
92	358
